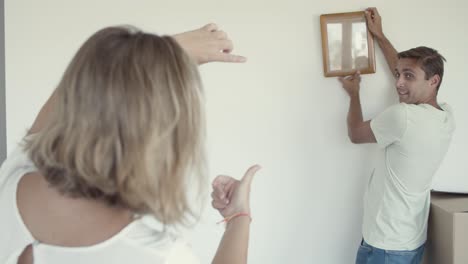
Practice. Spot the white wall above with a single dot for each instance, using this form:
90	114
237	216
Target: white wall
277	110
2	84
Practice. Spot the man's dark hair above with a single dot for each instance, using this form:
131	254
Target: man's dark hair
430	60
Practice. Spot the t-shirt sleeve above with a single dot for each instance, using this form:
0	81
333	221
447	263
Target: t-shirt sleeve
16	161
182	252
389	126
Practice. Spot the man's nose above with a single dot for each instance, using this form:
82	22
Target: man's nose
399	82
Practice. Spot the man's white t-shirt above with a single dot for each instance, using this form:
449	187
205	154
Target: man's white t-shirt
142	241
413	140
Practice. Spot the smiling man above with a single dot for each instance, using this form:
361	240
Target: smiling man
414	137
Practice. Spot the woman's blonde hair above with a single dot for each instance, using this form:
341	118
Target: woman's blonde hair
127	125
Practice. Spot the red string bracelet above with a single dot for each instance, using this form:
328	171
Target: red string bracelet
229	218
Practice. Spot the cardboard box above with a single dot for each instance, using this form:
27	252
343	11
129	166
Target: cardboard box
447	230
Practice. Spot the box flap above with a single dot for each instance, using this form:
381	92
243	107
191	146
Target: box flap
454	203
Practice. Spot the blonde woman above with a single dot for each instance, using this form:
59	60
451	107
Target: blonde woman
107	163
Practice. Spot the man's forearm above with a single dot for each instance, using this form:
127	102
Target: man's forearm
355	118
390	53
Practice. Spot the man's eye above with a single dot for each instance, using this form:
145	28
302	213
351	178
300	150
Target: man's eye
408	76
397	75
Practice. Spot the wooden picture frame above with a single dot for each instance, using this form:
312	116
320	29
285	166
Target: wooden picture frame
347	44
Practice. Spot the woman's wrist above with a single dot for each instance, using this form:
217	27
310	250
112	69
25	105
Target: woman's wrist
240	218
239	215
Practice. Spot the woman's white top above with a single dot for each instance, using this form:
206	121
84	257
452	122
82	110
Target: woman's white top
142	241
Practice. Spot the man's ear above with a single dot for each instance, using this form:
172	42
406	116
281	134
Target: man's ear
435	80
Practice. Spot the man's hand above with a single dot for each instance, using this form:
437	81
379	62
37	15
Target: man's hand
208	44
231	196
374	22
351	83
